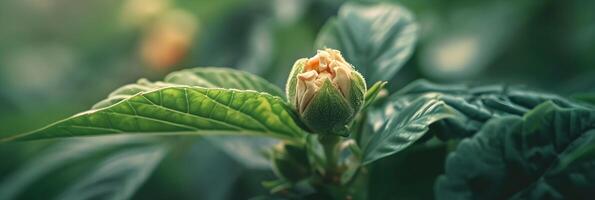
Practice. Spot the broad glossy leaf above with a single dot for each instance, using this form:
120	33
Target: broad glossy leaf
182	110
207	77
477	104
127	91
376	38
570	177
546	154
118	177
406	126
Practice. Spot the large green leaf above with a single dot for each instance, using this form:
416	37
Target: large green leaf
547	154
376	38
477	104
207	77
469	107
572	176
127	91
406	126
182	110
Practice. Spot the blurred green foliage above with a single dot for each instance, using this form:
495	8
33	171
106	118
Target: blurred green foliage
59	57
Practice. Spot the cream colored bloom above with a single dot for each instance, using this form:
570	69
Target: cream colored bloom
326	64
326	91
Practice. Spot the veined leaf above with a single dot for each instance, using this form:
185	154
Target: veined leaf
182	110
476	104
463	111
377	39
406	126
546	154
207	77
572	176
127	91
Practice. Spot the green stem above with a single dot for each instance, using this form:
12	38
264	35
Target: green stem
330	144
360	122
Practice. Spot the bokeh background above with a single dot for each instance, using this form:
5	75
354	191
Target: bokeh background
59	57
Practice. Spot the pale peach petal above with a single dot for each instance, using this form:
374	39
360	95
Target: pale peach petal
343	80
309	75
325	58
299	91
311	90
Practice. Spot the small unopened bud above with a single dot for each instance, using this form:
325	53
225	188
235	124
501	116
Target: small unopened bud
326	91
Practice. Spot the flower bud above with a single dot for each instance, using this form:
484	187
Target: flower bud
326	91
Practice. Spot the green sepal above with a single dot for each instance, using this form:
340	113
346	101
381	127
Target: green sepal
357	91
328	111
290	88
373	92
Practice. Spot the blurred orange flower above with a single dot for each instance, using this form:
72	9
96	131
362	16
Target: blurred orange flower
169	39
